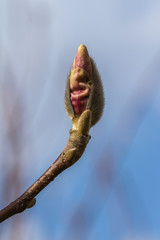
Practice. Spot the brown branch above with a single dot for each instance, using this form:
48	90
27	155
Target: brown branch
73	150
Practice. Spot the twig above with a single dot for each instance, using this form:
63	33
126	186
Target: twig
73	150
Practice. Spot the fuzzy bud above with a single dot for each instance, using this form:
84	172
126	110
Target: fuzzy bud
84	88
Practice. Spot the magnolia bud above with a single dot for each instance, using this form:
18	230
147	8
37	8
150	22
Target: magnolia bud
84	88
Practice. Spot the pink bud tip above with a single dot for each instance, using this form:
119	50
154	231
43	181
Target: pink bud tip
82	60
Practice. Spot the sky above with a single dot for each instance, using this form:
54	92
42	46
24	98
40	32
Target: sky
112	192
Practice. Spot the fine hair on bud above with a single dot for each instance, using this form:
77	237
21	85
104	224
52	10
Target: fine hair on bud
96	99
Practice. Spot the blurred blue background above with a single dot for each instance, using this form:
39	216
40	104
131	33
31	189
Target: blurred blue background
113	191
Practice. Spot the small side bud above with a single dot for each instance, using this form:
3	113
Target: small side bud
31	203
84	122
70	154
84	88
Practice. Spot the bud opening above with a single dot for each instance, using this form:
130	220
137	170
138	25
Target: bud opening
80	76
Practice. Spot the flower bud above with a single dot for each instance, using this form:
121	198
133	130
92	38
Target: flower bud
84	88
